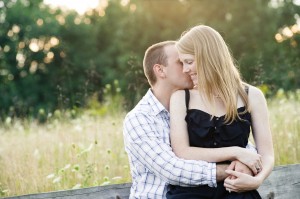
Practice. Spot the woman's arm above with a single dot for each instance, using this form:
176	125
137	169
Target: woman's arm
261	130
263	140
182	148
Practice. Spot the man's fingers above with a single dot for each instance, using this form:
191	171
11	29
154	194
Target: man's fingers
254	169
234	173
258	166
231	166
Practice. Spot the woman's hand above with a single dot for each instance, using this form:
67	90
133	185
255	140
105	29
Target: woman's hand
251	159
240	182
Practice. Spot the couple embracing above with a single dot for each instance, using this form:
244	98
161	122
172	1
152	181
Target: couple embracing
187	138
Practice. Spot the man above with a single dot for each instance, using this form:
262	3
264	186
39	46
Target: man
146	132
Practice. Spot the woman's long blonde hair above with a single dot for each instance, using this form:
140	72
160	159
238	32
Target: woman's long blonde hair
216	70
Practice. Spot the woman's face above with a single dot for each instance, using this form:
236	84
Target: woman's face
189	66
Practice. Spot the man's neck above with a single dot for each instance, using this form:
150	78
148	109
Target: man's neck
163	94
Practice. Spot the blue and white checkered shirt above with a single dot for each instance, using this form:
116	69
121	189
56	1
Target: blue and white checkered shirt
153	164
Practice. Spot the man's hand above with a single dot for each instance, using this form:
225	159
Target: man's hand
240	167
235	166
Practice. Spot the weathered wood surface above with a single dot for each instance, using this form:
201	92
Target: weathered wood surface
100	192
283	183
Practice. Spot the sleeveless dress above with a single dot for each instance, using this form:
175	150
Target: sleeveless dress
213	133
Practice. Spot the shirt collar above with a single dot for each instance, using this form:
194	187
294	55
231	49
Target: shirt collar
155	104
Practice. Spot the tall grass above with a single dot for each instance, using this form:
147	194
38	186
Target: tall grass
88	150
285	125
68	150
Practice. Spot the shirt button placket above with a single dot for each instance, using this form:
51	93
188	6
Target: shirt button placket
215	143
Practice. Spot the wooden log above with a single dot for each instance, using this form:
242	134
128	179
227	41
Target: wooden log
283	183
99	192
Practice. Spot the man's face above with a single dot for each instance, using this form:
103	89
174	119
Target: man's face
174	70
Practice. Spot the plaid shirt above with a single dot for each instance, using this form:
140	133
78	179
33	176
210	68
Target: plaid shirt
153	165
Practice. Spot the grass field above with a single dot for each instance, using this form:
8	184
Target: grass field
285	126
87	151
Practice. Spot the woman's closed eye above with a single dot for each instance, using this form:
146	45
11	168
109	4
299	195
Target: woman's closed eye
188	61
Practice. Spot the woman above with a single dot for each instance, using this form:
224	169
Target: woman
219	112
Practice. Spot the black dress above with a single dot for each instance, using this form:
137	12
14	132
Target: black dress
213	133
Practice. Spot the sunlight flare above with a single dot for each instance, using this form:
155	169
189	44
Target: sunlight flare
80	6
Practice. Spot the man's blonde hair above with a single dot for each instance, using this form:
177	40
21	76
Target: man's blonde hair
216	70
155	54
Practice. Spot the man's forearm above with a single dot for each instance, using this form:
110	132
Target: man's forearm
221	174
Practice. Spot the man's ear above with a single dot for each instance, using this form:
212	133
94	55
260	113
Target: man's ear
159	71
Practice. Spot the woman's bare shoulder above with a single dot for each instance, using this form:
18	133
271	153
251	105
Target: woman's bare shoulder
255	95
178	96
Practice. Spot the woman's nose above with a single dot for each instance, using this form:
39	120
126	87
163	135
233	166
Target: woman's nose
185	69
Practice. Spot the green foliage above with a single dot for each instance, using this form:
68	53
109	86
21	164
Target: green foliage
54	60
3	191
46	64
111	103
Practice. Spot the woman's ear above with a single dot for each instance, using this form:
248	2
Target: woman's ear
159	71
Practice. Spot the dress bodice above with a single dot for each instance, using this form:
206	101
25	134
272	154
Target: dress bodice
211	132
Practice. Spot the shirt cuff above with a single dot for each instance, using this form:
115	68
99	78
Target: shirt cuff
212	174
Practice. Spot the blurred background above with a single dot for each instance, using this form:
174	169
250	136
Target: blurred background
71	69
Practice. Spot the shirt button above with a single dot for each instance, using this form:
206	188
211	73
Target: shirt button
217	118
215	127
215	143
